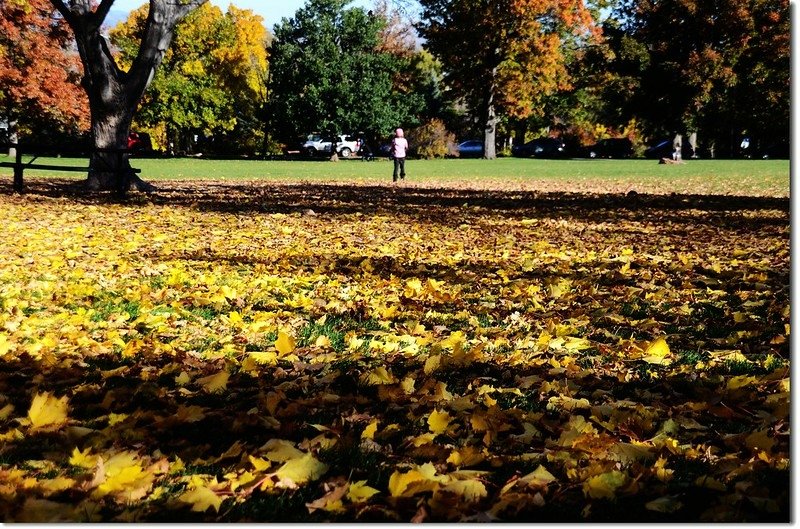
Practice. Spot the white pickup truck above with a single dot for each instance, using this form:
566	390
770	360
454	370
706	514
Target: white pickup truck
345	147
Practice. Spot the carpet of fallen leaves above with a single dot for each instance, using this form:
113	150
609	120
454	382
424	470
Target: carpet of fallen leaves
332	352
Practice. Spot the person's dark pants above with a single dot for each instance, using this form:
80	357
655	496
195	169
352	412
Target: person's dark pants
399	166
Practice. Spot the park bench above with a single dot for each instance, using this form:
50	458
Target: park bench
19	165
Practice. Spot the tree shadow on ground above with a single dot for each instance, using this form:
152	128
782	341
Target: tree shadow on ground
432	204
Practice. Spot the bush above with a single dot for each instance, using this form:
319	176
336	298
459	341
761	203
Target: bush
432	140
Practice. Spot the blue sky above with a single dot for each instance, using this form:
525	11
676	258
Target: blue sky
272	10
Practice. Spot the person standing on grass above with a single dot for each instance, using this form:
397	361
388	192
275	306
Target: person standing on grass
399	150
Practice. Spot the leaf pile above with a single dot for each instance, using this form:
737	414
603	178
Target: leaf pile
343	353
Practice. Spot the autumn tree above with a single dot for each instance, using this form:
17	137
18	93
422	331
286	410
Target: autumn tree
114	93
39	72
328	72
502	56
719	67
212	80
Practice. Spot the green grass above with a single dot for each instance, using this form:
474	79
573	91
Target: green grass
741	177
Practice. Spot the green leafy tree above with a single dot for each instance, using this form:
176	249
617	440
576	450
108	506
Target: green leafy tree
502	57
330	74
211	80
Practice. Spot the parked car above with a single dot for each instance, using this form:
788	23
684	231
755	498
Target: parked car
540	148
316	144
470	149
610	148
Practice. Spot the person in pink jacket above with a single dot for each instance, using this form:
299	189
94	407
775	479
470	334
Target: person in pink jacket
399	151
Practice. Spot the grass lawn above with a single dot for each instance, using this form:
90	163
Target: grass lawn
726	177
515	340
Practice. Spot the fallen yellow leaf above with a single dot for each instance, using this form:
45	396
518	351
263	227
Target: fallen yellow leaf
438	421
285	344
201	499
359	492
47	410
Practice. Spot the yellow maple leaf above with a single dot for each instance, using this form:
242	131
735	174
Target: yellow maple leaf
369	431
538	478
116	418
82	459
413	288
301	470
657	352
285	344
359	491
604	485
422	478
408	385
182	379
201	499
424	439
432	364
469	489
280	450
264	357
47	410
379	376
323	342
399	482
123	475
259	463
215	383
438	421
740	381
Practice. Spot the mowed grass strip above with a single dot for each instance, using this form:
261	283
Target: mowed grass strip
717	177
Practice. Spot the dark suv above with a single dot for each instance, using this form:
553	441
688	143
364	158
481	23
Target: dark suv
610	148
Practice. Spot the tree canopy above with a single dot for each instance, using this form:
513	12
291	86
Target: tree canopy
502	56
719	67
39	72
328	72
211	79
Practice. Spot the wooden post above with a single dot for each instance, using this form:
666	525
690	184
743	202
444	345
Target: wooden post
18	168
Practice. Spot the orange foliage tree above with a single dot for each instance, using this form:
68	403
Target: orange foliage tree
502	56
39	72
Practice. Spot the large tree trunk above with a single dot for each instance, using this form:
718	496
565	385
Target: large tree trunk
490	129
113	93
490	134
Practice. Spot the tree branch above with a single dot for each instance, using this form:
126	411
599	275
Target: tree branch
102	12
184	8
65	12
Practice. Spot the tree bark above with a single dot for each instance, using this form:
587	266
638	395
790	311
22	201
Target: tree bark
490	129
114	94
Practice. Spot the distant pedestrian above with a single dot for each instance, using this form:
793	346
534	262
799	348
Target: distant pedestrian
398	152
364	151
677	148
